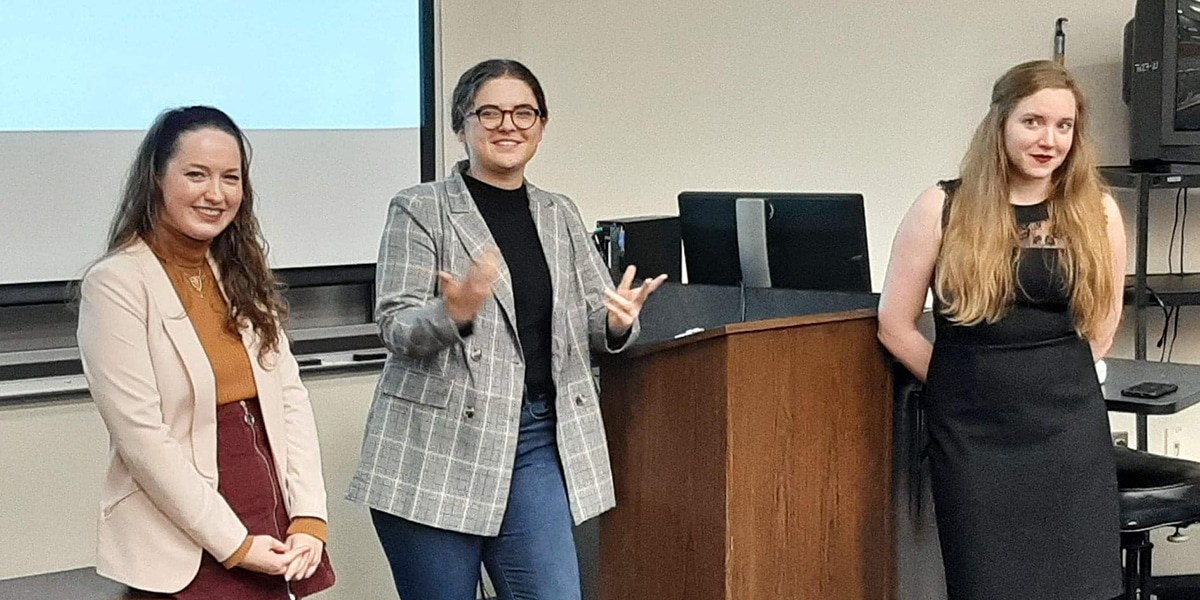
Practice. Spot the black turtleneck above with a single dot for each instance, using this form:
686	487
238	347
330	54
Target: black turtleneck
507	215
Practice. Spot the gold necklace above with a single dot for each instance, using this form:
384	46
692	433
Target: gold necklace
197	281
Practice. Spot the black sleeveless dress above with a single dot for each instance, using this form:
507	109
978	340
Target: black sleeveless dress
1023	475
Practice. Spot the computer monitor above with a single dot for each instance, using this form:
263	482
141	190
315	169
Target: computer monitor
814	241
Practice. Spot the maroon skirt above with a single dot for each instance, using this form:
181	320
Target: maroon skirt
249	483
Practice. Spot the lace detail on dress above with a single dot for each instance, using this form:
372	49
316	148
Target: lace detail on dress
1037	234
1035	229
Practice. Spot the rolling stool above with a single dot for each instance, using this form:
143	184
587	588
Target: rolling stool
1156	491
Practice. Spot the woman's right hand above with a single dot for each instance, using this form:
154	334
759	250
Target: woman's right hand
464	297
269	555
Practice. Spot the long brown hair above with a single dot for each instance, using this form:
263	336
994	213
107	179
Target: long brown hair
975	278
240	251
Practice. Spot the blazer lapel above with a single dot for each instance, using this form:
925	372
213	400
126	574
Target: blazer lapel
270	395
552	233
195	361
476	238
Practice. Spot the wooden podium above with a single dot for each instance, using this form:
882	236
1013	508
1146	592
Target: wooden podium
751	461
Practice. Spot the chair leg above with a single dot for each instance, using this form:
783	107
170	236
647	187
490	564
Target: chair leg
1137	549
1131	564
1145	572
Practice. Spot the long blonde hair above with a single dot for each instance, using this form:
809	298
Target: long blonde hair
975	278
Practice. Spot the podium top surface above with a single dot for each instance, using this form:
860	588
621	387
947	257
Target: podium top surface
677	308
741	327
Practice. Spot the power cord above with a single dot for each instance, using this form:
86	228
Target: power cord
1174	333
1167	313
1178	229
1183	229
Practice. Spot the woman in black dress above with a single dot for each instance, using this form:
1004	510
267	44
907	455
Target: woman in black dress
1024	254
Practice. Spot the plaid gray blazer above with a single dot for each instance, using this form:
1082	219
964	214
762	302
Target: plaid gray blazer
441	435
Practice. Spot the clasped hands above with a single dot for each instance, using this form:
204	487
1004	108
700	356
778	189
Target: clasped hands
295	559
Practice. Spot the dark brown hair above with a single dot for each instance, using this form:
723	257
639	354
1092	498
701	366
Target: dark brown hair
468	86
239	251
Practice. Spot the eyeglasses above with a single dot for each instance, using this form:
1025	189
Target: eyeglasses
491	117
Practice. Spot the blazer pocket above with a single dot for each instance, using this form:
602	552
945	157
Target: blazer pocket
416	387
111	508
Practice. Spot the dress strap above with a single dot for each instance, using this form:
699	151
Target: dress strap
949	186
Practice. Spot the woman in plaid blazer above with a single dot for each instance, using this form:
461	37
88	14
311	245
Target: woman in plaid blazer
484	443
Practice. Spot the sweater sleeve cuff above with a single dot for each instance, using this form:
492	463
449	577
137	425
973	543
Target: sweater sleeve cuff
311	526
239	555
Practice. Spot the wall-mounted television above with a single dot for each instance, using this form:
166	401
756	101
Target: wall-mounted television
1161	83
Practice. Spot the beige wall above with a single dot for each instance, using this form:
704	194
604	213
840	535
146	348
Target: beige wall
648	98
54	455
652	97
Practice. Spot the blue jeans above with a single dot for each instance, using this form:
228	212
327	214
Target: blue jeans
532	558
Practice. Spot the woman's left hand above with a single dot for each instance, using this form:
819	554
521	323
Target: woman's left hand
625	304
306	564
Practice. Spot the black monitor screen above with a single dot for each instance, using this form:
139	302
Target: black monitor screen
814	241
1187	67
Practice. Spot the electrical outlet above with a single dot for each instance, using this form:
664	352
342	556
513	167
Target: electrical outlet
1120	438
1172	441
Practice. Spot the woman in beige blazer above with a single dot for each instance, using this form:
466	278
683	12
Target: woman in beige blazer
214	486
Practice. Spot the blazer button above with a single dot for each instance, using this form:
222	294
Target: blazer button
469	412
476	354
580	400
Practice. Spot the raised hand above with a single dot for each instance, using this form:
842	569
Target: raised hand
464	297
625	304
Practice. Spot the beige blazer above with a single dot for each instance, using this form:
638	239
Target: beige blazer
154	388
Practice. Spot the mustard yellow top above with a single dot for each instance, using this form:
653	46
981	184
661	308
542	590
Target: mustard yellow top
186	264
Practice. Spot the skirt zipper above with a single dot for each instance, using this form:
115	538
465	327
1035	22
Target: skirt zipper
275	489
